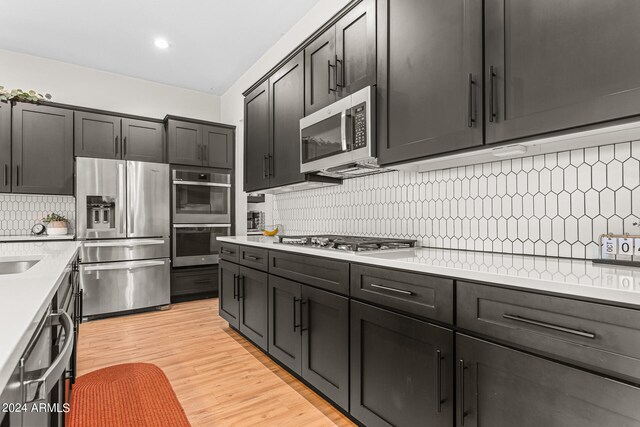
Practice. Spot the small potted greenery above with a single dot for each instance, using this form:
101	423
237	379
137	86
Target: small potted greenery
57	225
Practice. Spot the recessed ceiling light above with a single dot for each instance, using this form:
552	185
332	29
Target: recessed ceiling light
161	43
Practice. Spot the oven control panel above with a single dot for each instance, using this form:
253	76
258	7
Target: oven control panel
360	126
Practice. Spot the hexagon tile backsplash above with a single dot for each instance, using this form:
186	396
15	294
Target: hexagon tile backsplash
19	212
552	205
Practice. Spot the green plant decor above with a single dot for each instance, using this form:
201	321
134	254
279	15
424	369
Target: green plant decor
52	217
20	95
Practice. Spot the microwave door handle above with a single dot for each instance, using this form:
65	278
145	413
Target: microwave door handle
343	130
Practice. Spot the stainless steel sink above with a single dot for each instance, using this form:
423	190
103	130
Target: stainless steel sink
16	267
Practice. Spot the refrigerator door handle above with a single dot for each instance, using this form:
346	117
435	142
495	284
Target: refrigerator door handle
121	199
122	265
130	196
123	244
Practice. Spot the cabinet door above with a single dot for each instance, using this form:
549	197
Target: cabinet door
256	139
285	341
557	65
253	295
143	141
228	292
356	48
97	135
286	99
320	72
5	147
430	78
185	143
500	387
42	149
325	343
401	369
217	147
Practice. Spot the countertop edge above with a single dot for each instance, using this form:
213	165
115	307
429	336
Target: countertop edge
609	296
7	368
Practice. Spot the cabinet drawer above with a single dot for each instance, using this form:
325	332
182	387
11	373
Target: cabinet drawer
254	257
319	272
229	252
196	281
597	336
426	296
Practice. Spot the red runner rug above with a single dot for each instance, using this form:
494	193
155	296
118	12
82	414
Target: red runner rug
128	395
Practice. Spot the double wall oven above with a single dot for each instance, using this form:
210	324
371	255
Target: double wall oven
201	213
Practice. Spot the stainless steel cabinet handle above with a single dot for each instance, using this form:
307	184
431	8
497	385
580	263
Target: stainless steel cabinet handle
271	169
251	258
492	109
265	160
38	389
386	288
339	61
549	326
124	146
329	77
115	145
471	119
335	72
6	174
461	369
17	175
439	381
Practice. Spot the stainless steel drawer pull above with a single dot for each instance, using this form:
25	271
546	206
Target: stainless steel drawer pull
251	258
550	326
386	288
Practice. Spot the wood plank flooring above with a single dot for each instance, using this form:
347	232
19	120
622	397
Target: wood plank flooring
219	377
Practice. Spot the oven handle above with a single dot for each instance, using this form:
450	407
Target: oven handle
201	225
38	389
202	184
124	244
122	265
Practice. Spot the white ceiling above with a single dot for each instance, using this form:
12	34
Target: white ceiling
213	42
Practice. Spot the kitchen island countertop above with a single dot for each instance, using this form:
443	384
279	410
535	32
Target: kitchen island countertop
24	297
569	277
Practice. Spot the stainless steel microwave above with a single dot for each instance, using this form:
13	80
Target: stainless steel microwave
340	135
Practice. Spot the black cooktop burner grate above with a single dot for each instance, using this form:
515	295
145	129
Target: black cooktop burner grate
348	243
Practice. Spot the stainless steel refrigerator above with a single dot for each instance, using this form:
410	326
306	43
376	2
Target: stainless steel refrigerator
123	222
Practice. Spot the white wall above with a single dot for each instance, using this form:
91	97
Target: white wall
87	87
232	99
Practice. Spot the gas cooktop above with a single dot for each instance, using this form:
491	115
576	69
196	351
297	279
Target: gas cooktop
347	243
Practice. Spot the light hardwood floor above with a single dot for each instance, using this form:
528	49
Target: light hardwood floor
219	377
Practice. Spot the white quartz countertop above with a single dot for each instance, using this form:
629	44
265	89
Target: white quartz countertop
24	297
34	238
570	277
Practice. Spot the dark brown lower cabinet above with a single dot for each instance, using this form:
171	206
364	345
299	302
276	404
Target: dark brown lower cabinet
309	333
325	343
252	296
500	387
401	370
285	340
228	292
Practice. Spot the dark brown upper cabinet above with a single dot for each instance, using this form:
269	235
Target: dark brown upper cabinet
42	149
286	108
256	139
112	137
143	141
341	60
97	135
197	144
217	147
5	147
429	78
356	49
555	65
320	71
185	142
